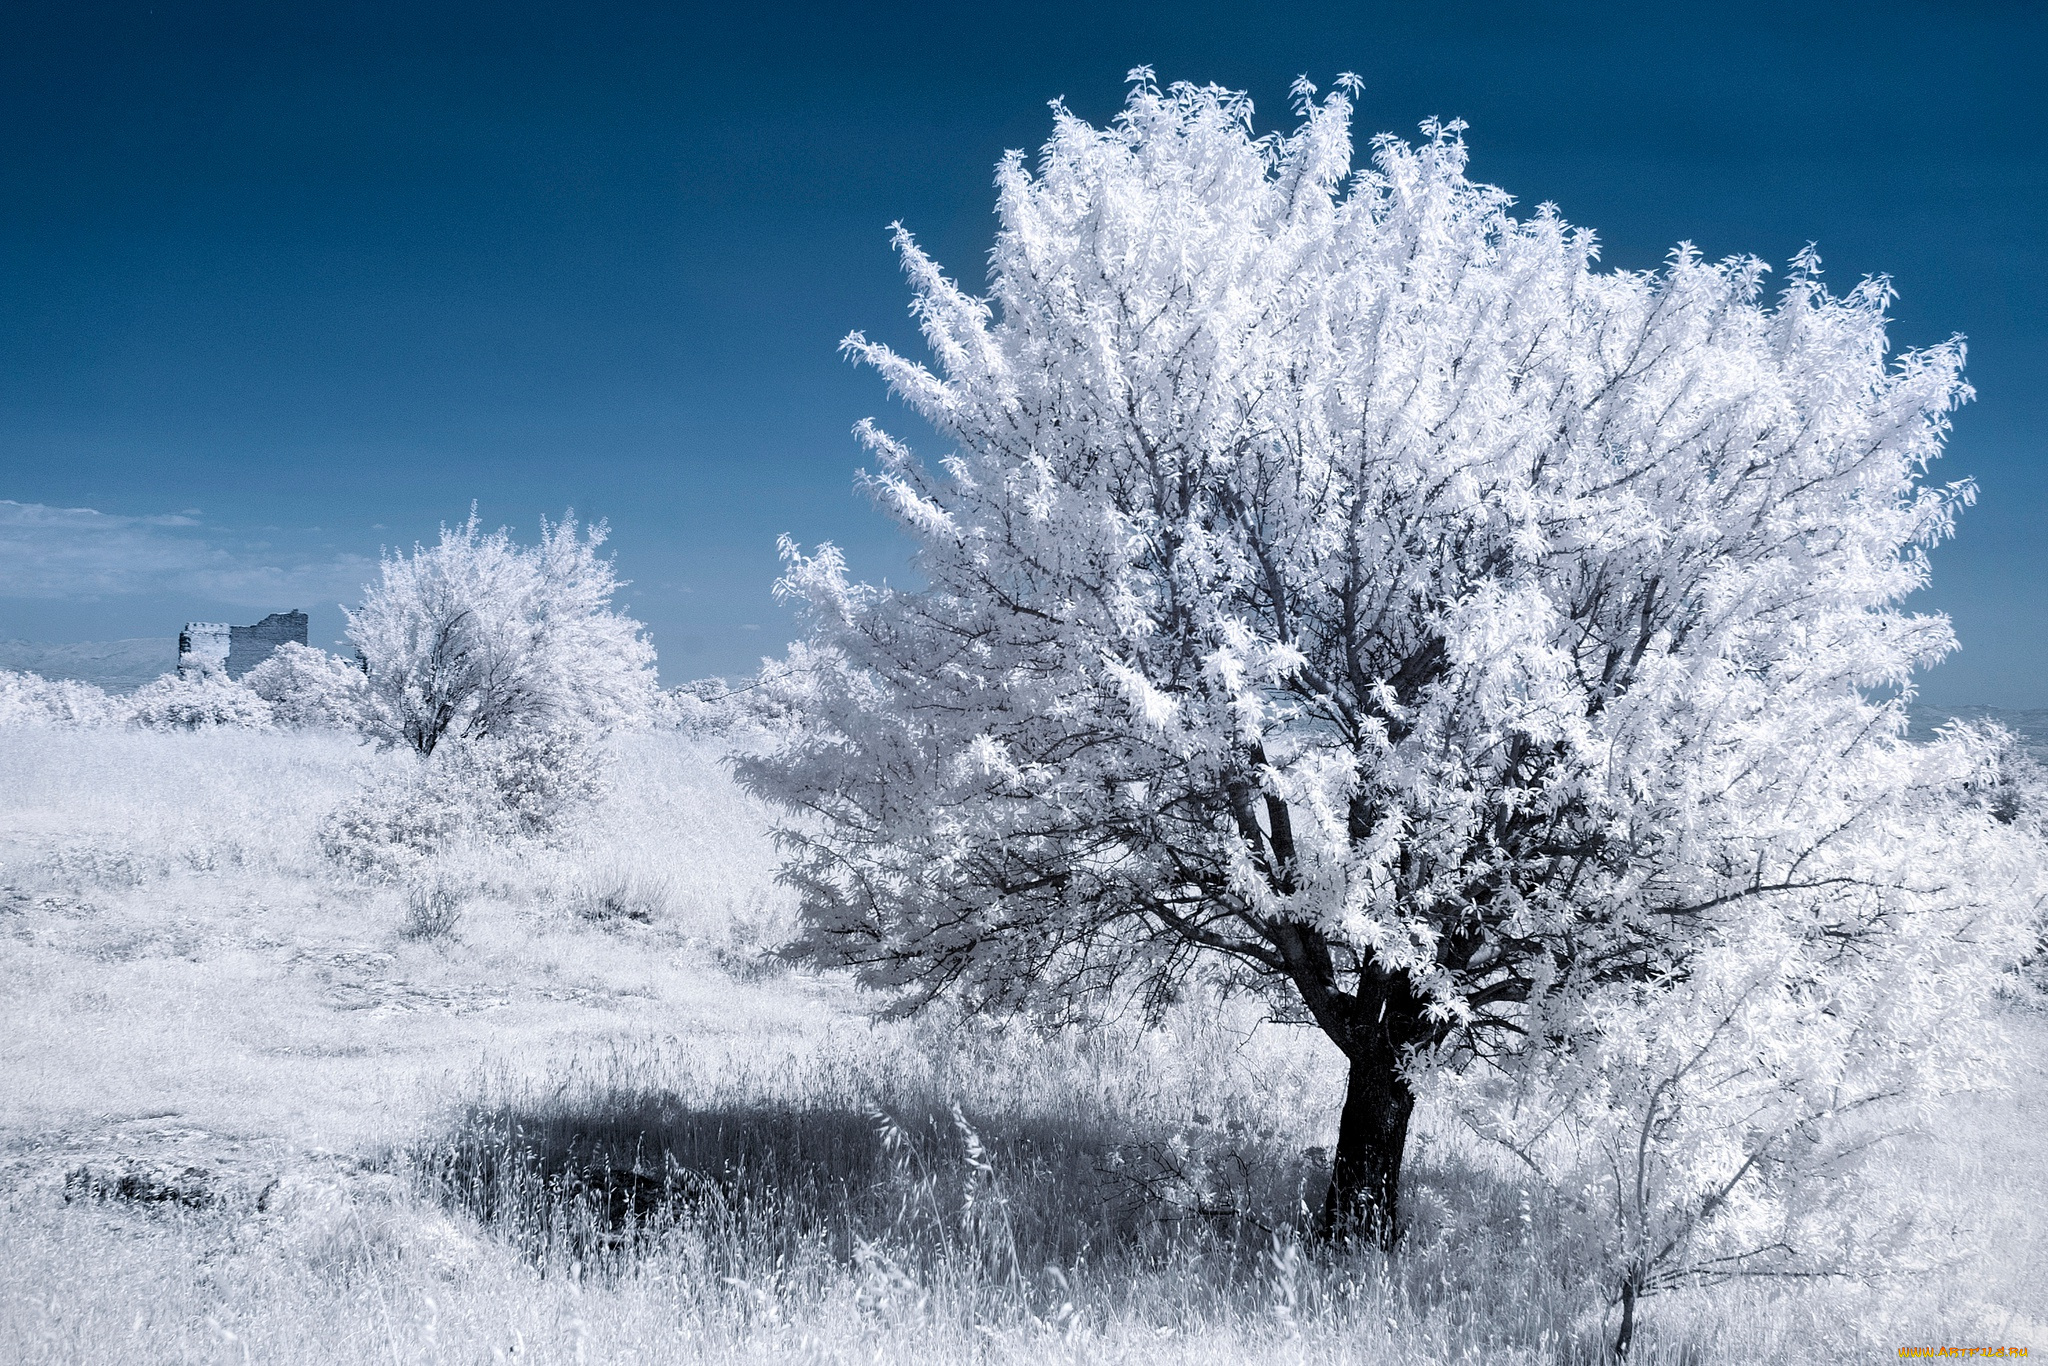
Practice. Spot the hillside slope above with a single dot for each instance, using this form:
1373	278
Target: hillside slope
116	665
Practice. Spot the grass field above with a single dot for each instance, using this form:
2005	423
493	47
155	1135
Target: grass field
558	1104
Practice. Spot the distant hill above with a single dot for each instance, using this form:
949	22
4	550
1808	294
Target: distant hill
2029	724
125	665
116	665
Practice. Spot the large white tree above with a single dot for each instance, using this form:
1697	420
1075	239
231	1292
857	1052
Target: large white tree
1338	581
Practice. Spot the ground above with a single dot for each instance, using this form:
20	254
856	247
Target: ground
313	1090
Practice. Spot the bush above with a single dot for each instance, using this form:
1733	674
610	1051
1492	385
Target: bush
396	823
197	701
28	699
308	687
530	781
747	709
432	909
524	786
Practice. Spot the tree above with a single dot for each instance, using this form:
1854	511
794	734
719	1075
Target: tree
309	687
478	637
1339	583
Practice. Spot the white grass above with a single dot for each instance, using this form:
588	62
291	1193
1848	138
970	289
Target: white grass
187	981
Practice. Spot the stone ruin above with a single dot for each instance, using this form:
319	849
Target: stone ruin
204	645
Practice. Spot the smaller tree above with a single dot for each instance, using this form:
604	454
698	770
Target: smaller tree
308	687
478	637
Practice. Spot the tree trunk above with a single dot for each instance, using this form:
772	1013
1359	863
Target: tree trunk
1375	1025
1627	1335
1372	1135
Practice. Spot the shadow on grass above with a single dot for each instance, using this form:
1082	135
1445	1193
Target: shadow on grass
1012	1212
615	1174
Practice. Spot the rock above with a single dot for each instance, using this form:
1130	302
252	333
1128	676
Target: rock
142	1183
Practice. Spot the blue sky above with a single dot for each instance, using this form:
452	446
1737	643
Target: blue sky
280	285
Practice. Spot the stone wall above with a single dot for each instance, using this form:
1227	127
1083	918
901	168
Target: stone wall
250	645
203	645
237	649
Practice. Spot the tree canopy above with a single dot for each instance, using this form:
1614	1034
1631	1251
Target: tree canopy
478	637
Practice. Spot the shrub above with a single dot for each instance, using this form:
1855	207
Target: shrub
28	699
394	824
523	786
530	781
433	907
197	700
308	687
746	709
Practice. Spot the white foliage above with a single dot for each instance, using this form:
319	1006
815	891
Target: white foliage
747	710
392	826
503	667
478	636
1717	1123
1337	577
29	699
308	687
197	699
485	791
534	777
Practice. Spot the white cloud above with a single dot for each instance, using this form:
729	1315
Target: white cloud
58	554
